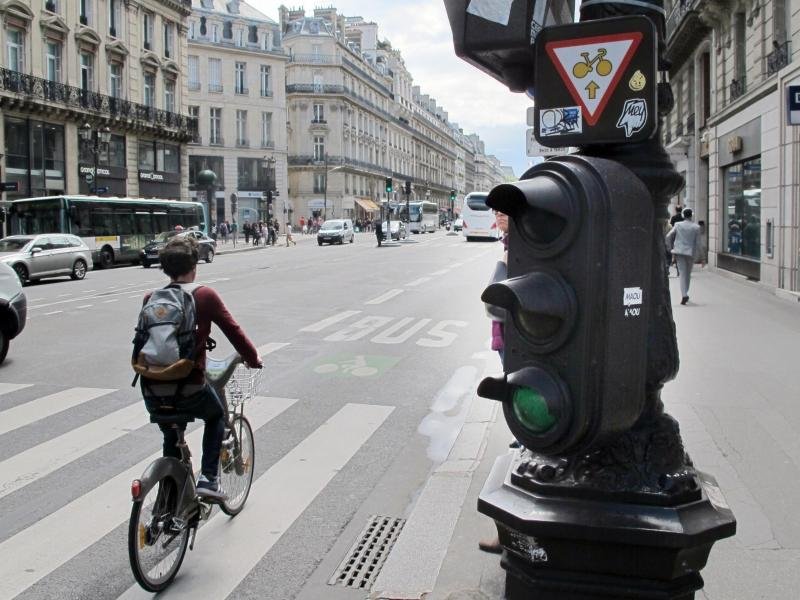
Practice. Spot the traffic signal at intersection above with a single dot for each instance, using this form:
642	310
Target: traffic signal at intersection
452	195
577	302
389	187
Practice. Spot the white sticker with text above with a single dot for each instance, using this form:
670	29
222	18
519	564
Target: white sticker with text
632	296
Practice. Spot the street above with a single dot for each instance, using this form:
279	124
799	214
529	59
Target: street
372	342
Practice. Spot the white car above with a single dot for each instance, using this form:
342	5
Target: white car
48	255
336	231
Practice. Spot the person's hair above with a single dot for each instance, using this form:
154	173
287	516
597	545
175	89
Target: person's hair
678	209
179	256
687	213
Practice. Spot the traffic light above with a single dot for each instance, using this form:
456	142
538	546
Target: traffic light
452	195
408	188
577	299
388	185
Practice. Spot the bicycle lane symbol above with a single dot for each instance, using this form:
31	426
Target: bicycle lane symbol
358	365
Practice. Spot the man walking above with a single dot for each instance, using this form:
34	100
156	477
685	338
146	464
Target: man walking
379	232
684	241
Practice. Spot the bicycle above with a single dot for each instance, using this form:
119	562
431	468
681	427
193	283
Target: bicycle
167	508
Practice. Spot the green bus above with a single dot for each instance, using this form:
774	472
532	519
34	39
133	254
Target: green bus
115	229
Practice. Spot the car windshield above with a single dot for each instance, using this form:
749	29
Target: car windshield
14	244
163	237
477	202
332	226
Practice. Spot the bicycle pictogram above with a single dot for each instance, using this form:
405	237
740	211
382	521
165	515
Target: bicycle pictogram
357	367
602	68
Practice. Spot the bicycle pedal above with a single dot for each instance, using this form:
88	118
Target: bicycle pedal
228	443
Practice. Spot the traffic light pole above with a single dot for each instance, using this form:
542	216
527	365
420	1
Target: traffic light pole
602	501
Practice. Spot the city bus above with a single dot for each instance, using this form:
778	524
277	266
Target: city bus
478	219
115	229
424	215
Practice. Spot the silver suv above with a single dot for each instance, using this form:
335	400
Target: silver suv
47	255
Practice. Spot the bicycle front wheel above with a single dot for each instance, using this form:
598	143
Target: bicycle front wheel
157	537
236	466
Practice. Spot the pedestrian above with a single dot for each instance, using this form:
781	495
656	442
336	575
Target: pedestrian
223	231
676	218
303	225
256	233
379	232
214	231
247	230
684	240
234	231
289	239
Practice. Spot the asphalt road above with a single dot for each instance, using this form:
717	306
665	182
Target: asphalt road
361	345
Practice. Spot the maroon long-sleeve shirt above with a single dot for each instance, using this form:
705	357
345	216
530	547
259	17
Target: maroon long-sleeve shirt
211	309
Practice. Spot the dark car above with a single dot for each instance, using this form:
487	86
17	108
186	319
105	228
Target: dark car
149	254
13	308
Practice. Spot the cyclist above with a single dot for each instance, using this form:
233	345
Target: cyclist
196	397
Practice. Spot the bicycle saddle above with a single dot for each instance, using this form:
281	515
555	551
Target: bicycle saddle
218	372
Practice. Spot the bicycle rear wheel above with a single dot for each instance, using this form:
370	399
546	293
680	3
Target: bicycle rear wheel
157	539
236	466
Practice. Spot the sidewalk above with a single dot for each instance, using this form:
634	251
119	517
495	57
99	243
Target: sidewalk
737	398
242	247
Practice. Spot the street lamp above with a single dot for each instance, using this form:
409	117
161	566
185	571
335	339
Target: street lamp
96	141
268	164
325	187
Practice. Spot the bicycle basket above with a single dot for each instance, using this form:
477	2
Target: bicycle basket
243	385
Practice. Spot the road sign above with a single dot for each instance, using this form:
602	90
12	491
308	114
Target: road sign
794	104
9	186
99	190
596	83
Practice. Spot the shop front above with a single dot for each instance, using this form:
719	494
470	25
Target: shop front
111	175
159	170
34	157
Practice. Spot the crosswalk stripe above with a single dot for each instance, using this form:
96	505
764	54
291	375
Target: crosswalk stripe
27	413
384	297
417	282
36	551
7	388
320	325
277	499
270	348
26	467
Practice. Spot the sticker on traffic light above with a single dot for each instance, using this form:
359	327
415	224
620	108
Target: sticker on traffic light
577	303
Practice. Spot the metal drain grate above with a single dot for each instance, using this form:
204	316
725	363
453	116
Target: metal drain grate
365	559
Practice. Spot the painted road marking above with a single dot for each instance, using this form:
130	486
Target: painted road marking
85	306
7	388
437	336
38	550
355	365
110	301
384	297
300	477
417	282
440	272
32	411
325	323
55	312
270	348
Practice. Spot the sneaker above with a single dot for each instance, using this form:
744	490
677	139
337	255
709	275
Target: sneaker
210	489
684	300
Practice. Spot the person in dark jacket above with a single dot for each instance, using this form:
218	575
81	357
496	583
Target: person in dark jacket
379	232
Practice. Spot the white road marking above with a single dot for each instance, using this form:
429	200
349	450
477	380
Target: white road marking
441	272
385	336
110	301
359	329
26	467
384	297
7	388
445	338
232	547
38	550
325	323
32	411
55	312
270	348
64	295
417	282
85	306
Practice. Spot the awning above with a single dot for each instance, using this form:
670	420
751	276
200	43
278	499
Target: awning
367	204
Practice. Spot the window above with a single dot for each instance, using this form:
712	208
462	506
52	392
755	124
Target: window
51	6
147	156
252	34
115	18
35	156
740	40
149	90
214	75
194	123
15	45
147	30
241	128
318	85
192	30
87	71
319	183
319	148
227	30
241	78
169	34
251	174
319	113
265	41
266	130
215	33
115	79
213	163
169	95
266	70
85	11
158	156
52	59
215	126
194	73
240	37
742	219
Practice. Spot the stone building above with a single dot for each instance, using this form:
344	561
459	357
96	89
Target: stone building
235	77
733	66
109	71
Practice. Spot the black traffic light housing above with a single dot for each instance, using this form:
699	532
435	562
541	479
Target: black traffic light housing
389	187
452	195
577	298
505	50
408	188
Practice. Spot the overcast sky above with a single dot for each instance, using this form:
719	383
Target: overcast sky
421	31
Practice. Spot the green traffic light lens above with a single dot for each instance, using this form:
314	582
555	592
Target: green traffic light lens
532	410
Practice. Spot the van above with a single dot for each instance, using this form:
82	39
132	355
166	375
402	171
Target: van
336	231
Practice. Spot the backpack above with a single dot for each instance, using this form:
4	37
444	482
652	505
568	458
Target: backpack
164	344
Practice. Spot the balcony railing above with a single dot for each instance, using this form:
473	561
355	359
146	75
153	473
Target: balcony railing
266	93
242	143
268	144
38	89
194	86
313	88
319	122
216	88
737	88
242	91
216	141
778	58
316	59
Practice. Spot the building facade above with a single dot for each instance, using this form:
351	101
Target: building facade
235	77
92	97
729	133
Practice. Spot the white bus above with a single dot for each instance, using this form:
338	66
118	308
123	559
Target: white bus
424	215
478	219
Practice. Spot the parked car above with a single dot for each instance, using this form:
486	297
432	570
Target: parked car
458	224
399	230
13	308
149	254
336	231
47	255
